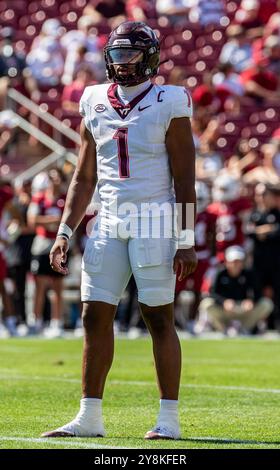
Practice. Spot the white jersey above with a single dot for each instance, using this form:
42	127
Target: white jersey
132	160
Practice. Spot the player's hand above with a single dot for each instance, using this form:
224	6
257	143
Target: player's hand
58	255
185	263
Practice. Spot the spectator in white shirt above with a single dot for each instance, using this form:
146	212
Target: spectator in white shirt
207	12
238	50
175	10
76	41
46	63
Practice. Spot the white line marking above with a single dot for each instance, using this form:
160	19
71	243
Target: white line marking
39	378
216	387
238	388
233	387
55	442
84	445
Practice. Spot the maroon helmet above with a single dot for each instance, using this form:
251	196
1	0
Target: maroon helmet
131	53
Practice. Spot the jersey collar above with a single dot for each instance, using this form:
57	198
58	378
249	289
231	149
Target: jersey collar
124	109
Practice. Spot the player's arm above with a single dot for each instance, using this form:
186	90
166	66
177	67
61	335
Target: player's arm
181	151
78	197
253	87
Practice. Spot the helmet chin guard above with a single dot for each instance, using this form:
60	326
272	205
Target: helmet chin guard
132	39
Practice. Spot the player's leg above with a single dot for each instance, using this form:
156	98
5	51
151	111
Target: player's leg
105	273
41	284
262	308
167	355
56	324
216	314
166	348
8	315
152	265
196	286
40	268
98	350
57	300
98	320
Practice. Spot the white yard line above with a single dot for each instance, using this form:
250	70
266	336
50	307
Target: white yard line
234	387
214	387
85	445
143	383
62	442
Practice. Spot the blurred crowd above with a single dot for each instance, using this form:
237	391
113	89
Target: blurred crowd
227	53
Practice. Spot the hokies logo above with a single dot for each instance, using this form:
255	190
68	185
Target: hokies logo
100	108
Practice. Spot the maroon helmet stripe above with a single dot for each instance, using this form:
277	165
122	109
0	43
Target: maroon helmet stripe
119	107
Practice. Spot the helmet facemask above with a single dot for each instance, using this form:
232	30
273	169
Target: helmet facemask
131	54
126	65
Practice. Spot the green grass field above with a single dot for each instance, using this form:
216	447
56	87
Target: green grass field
229	397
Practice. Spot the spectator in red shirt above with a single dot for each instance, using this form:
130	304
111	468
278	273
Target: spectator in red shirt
272	52
203	95
110	10
248	15
140	10
44	215
214	95
260	83
272	27
6	196
267	8
72	93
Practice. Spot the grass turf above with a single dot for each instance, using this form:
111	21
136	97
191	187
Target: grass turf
229	396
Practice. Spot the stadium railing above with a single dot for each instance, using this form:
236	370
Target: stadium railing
59	152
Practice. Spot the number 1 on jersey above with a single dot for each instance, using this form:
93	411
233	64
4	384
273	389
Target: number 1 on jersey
121	137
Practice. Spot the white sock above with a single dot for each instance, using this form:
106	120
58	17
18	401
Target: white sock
89	421
55	323
168	415
38	324
35	322
90	410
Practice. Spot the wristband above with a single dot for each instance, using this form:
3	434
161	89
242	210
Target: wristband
186	239
64	231
63	235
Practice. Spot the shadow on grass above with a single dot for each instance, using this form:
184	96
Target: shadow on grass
201	440
224	440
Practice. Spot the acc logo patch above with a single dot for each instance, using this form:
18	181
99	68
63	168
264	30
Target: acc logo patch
100	108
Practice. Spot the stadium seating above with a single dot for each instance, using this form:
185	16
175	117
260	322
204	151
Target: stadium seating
185	45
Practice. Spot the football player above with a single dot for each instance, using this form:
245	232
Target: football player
231	211
137	147
204	247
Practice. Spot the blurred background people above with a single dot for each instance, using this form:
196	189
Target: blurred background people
44	215
227	54
72	93
46	63
231	211
19	252
8	310
205	235
264	229
12	66
235	303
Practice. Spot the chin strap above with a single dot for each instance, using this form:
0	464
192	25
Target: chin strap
163	62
